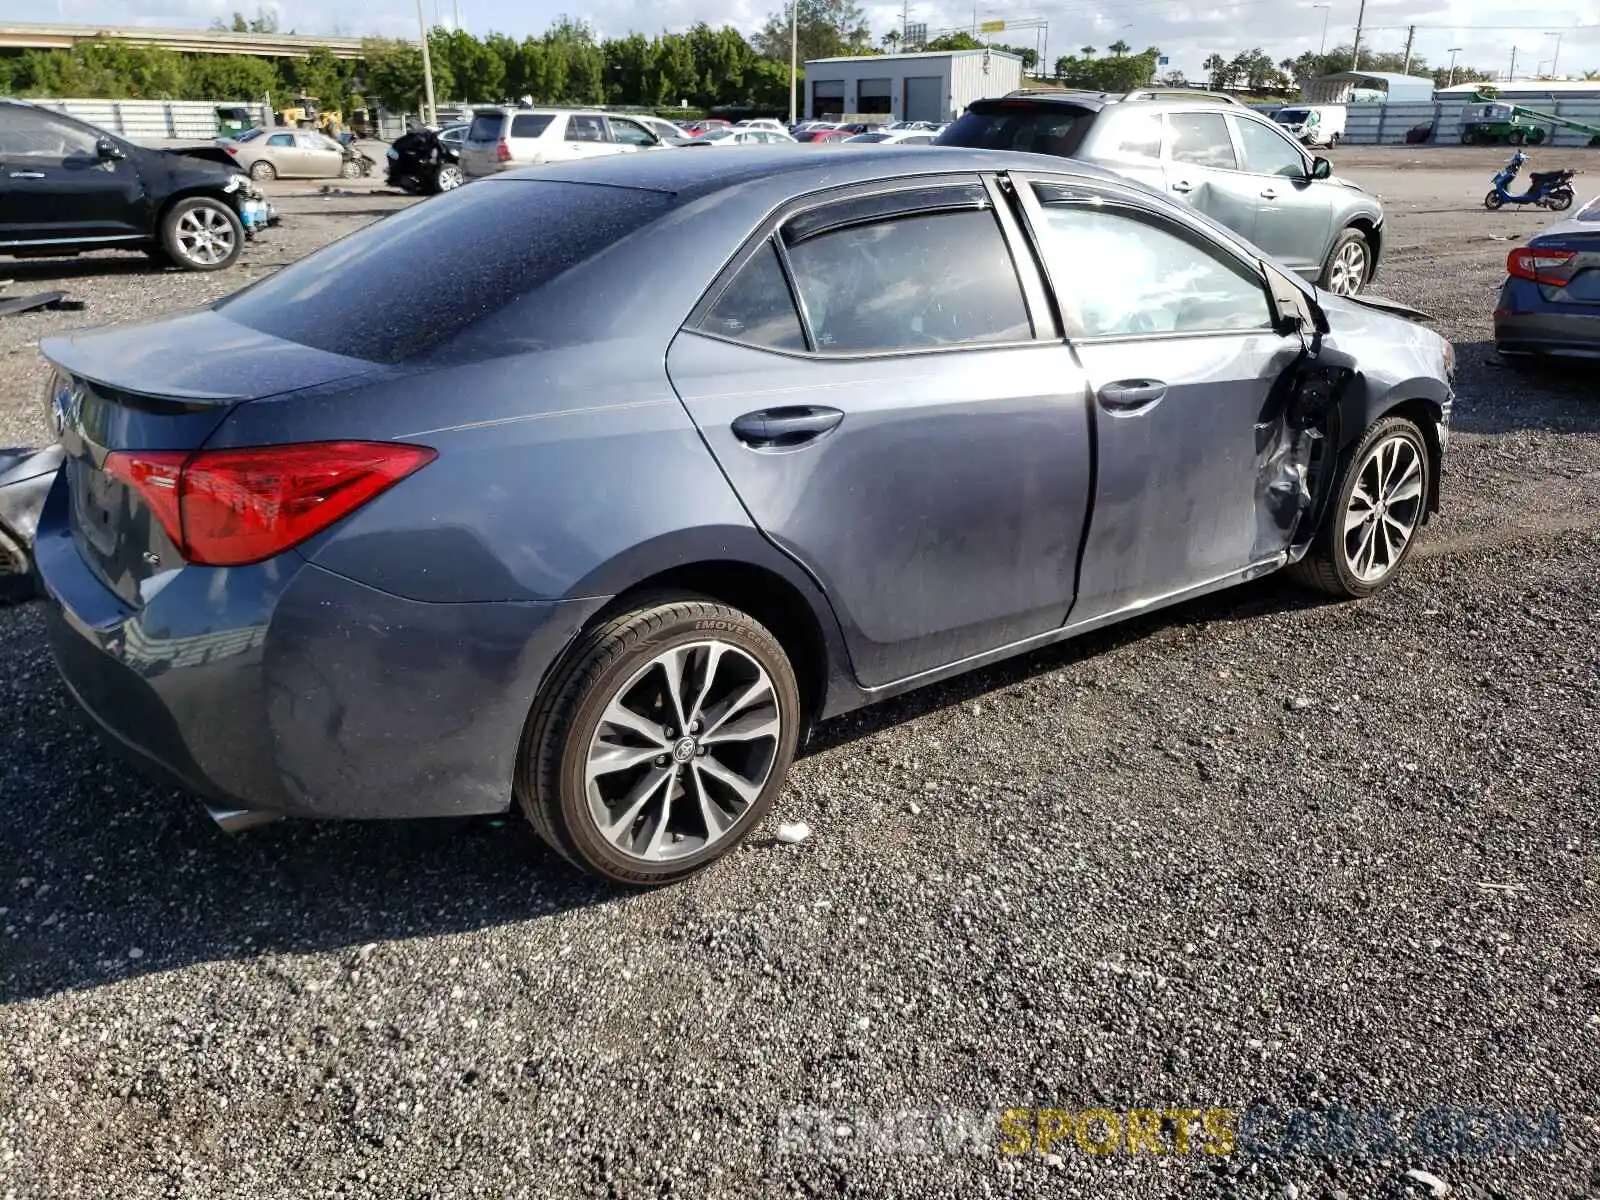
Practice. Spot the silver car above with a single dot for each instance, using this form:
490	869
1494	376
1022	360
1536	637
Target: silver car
1224	159
287	153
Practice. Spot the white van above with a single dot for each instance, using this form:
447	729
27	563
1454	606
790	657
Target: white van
502	139
1313	124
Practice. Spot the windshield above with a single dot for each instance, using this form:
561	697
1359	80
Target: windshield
716	135
1009	125
1290	116
870	137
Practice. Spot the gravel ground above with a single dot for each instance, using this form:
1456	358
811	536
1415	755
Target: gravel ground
1253	851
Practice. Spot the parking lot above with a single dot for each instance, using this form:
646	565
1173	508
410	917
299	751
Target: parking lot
1257	852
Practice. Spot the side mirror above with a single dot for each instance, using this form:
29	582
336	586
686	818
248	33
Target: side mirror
1321	168
1292	310
107	149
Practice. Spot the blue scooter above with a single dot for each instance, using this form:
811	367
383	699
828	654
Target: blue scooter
1551	189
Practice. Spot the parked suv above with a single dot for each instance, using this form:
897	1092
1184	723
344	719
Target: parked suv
502	139
1232	164
67	187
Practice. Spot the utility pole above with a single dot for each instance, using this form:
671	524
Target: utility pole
458	16
1511	76
1454	50
1556	57
1322	46
794	55
1410	36
905	20
1355	52
429	113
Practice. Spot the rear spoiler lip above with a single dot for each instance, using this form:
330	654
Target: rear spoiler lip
199	358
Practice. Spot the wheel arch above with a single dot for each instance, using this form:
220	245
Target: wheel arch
192	192
1371	227
1422	401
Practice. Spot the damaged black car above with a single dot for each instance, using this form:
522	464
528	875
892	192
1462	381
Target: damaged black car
67	187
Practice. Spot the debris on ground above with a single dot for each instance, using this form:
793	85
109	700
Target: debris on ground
57	301
1427	1179
792	833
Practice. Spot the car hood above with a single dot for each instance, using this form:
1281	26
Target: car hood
1386	338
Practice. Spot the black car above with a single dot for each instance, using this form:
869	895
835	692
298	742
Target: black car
67	187
422	160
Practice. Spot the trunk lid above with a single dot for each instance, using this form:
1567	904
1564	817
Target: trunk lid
155	388
1582	273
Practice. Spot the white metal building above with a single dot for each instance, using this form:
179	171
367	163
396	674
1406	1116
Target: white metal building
932	86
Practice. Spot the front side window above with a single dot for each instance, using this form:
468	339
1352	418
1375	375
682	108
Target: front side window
1201	139
1147	279
757	307
586	129
1268	152
921	280
629	134
281	139
32	134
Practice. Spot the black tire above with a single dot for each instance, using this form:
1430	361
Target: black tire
261	170
447	178
1493	200
1469	137
1517	137
1338	255
550	786
1560	200
216	215
350	169
1333	141
1326	566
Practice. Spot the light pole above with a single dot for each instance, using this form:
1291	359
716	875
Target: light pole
1322	46
1556	57
427	68
1454	50
794	54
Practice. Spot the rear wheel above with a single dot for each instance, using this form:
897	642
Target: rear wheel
262	169
1560	200
660	742
350	169
1493	200
1348	265
202	234
1372	521
448	178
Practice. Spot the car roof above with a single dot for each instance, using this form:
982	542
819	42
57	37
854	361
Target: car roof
1095	101
1585	220
693	175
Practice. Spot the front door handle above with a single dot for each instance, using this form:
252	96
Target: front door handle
27	174
784	428
1268	194
1128	397
1184	186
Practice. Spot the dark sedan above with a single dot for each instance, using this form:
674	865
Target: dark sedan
1550	302
523	497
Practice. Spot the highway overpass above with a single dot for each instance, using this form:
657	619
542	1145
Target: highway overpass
15	36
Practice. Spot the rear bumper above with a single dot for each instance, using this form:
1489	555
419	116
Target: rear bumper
1572	335
286	689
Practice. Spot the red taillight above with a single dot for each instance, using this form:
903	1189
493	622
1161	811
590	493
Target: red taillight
1536	263
233	150
226	508
502	152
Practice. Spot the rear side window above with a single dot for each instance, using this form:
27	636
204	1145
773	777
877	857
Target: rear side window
529	125
897	285
1202	139
1039	129
586	129
1136	134
756	307
486	127
401	286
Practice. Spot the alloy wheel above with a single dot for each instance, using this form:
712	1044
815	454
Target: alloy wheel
449	178
1349	269
1384	508
682	751
205	236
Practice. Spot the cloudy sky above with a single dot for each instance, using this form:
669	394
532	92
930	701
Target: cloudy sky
1186	30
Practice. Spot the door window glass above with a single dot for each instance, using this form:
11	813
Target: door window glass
37	134
1202	139
1137	135
929	279
281	139
529	125
630	134
1147	279
757	307
1268	152
586	129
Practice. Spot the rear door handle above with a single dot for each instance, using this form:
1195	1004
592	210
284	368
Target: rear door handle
783	428
1128	397
1183	185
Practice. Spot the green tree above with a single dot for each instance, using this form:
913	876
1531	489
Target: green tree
823	29
960	40
1119	47
891	40
1086	51
1218	72
393	73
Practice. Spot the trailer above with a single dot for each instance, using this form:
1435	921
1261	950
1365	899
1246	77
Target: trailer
1489	119
154	121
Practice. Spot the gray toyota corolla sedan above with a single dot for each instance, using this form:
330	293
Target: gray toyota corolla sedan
591	489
